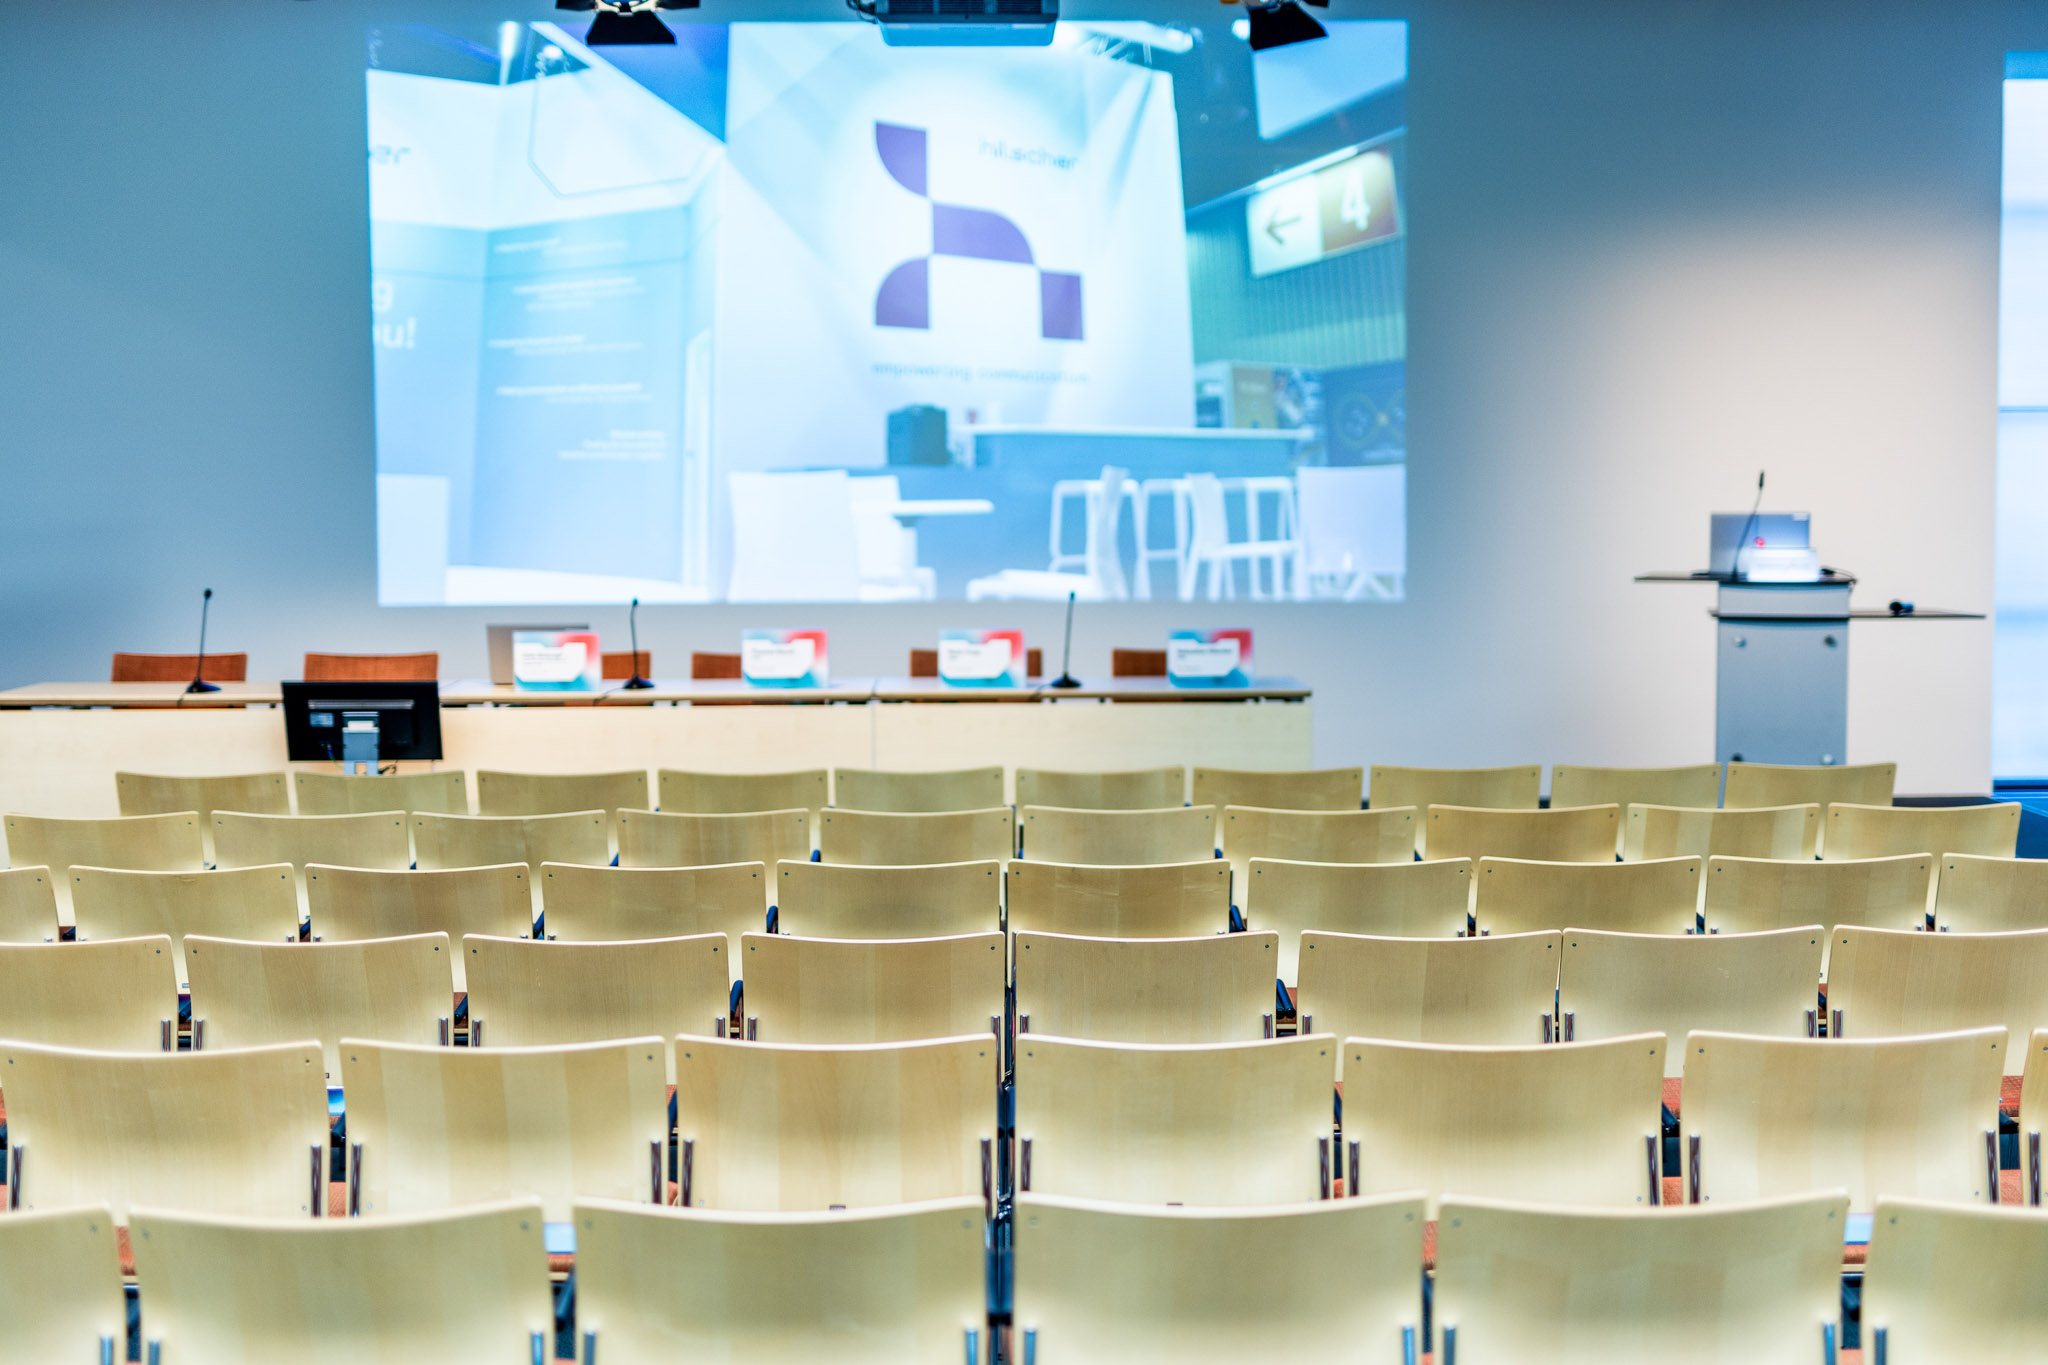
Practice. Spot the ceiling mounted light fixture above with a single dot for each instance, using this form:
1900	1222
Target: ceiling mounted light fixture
623	23
1282	23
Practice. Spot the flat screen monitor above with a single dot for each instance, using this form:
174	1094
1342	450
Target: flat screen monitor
321	718
500	638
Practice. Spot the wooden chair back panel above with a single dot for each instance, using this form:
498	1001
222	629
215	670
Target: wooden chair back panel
1213	989
693	793
1977	895
1785	833
915	793
116	996
1950	1283
441	841
60	1285
611	904
1991	830
1697	784
179	668
1330	789
936	900
351	904
872	838
1349	836
1177	834
372	667
28	905
1749	895
1137	663
143	843
377	839
624	663
1489	992
714	667
1890	983
1164	900
668	839
1519	896
2034	1112
255	904
1141	789
502	793
803	990
1515	788
441	793
1787	784
1585	834
149	794
1399	900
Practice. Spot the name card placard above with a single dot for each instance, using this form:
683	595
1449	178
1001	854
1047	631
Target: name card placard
783	658
556	661
981	658
1209	658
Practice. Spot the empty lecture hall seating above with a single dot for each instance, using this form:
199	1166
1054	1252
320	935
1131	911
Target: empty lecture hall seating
116	996
440	841
1771	784
256	793
397	990
60	1286
1517	788
895	839
1312	789
931	900
1944	1282
1991	830
1213	989
671	839
1493	991
348	903
1177	834
814	990
914	793
1340	836
28	905
1582	834
1977	894
694	793
1142	789
442	793
501	793
1148	900
1889	983
254	903
146	843
1517	895
1698	784
1744	895
1402	900
527	994
1780	832
593	904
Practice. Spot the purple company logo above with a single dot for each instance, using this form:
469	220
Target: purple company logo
905	298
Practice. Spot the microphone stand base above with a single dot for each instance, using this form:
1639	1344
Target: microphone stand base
636	683
197	685
1065	682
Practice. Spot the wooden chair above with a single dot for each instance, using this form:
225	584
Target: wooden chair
393	990
144	843
239	1132
1533	1284
1784	784
924	663
1585	834
1517	788
881	1287
440	841
1613	985
116	996
917	793
668	839
257	793
1403	900
527	994
1518	896
255	904
28	905
1945	1283
1326	789
1163	900
694	793
1988	831
1578	1123
1177	834
352	904
714	667
1782	832
372	667
500	793
791	1126
1170	1286
1976	895
1214	989
616	904
1142	789
1890	983
60	1287
378	840
2033	1116
438	1127
470	1285
873	839
1747	895
442	793
811	990
836	900
1137	663
1298	836
1490	992
1766	1117
1230	1123
1697	784
179	668
616	664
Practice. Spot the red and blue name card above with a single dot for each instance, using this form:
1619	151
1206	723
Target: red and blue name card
783	658
556	661
981	658
1209	658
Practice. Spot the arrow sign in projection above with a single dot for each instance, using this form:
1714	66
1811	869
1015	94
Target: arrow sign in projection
1323	209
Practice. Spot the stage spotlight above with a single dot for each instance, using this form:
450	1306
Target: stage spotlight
1277	25
626	22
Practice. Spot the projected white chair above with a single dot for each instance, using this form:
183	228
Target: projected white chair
120	995
443	793
1211	547
927	900
1981	895
1520	895
1890	983
1354	532
1179	1286
1405	900
1152	900
887	547
1945	1283
1991	830
28	905
793	538
1311	789
527	994
1780	832
1213	989
807	990
1745	895
1491	992
1102	576
60	1287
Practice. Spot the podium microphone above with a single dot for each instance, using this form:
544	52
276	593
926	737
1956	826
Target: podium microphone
1735	566
1066	680
635	683
199	683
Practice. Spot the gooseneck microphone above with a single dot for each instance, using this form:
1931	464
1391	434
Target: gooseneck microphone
199	682
1066	680
636	682
1735	568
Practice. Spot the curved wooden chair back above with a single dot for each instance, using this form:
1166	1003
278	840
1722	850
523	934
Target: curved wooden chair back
1519	896
714	667
1697	784
1174	834
881	1287
1398	900
351	904
149	794
893	839
1766	1117
1137	663
1300	836
503	793
918	793
471	1285
1947	1283
1749	895
625	663
28	905
527	994
693	793
812	990
1892	983
1991	830
374	839
933	900
179	668
1612	985
372	667
2033	1117
669	839
255	904
1580	1123
1330	789
1537	1284
1788	833
120	995
394	990
1214	989
1584	834
60	1286
1790	784
1489	992
793	1126
144	843
238	1132
1141	789
1161	900
1516	788
1179	1284
443	793
611	904
1977	895
1231	1123
440	841
437	1127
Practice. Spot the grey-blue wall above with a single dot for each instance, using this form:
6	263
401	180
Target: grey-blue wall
1653	245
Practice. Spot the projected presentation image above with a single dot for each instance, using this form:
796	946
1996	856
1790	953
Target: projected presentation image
2019	721
783	314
